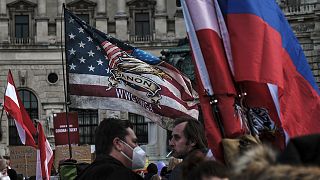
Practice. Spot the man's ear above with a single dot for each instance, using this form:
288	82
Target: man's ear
117	144
193	144
189	142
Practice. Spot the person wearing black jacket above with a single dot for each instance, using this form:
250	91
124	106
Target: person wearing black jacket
152	170
117	153
187	136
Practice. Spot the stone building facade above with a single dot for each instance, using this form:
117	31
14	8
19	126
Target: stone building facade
31	39
304	18
31	35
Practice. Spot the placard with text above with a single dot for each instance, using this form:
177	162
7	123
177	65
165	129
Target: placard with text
61	130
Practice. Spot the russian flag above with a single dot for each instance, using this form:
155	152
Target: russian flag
271	66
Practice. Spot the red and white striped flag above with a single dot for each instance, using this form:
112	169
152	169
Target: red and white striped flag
44	156
15	109
214	73
113	53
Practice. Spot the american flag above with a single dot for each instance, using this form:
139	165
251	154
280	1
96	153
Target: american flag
106	73
113	53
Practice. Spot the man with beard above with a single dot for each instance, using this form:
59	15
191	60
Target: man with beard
187	137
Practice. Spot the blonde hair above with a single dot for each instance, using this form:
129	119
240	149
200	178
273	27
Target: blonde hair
259	163
173	162
3	164
155	177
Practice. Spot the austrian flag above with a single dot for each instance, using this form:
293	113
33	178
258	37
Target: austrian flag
44	156
15	109
26	130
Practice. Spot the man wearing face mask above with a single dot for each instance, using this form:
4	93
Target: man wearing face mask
117	152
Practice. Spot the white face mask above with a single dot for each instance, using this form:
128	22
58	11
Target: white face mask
139	157
5	178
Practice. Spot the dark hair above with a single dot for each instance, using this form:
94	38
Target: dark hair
12	174
164	171
107	130
152	168
208	168
191	161
194	132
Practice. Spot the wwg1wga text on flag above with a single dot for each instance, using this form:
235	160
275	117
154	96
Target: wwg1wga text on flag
15	109
271	66
106	73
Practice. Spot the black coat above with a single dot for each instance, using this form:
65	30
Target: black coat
302	150
106	167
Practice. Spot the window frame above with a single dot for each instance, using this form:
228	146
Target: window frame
22	25
84	7
139	124
84	14
21	8
136	7
136	23
87	126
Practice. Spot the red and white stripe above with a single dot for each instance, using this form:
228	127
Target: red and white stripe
44	156
113	53
173	95
213	70
16	110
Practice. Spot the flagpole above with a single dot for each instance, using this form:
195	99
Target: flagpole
64	84
0	122
216	114
26	162
5	90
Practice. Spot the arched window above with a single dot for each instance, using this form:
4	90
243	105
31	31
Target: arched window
30	103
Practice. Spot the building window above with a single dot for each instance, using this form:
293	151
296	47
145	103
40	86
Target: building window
88	122
84	17
142	24
141	20
140	127
171	25
112	28
30	103
14	139
84	9
22	23
21	26
53	78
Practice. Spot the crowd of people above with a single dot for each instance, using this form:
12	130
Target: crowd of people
6	172
118	155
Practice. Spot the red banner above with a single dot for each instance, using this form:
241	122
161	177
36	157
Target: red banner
61	130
